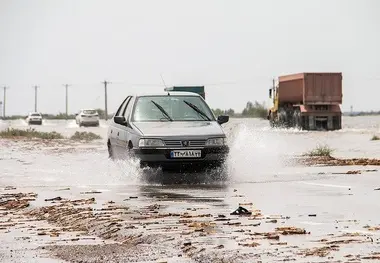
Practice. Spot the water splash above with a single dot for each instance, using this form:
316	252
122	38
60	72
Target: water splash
255	153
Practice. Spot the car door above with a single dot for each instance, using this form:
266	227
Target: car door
125	130
114	129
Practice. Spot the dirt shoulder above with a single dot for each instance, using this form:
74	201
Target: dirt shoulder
94	230
332	161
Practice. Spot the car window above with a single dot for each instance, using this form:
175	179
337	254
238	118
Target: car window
89	111
36	114
118	113
175	106
127	109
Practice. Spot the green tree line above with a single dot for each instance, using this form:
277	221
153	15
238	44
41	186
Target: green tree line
251	110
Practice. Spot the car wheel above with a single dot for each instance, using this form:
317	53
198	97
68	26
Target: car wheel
110	152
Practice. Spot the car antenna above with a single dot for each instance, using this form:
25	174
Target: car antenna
163	81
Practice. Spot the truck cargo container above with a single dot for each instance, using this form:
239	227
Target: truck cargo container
309	101
196	89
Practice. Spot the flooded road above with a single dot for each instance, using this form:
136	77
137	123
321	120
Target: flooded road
64	201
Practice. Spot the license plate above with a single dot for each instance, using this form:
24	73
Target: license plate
186	154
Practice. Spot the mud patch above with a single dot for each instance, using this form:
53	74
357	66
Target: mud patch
332	161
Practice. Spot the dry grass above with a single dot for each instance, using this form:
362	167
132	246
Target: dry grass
85	136
30	133
320	151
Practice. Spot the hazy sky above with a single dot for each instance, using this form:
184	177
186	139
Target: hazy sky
234	48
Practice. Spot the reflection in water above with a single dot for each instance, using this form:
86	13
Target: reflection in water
210	193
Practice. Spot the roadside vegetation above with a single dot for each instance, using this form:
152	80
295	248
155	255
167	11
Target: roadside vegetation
85	136
320	151
375	138
251	110
32	133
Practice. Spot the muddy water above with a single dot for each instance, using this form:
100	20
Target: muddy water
332	206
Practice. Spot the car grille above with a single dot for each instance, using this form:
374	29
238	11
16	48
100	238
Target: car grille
178	143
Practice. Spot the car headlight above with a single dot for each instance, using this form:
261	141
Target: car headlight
150	143
215	142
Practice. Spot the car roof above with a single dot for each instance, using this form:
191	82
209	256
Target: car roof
33	112
88	109
174	93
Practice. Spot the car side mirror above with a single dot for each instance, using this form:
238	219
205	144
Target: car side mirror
120	120
270	93
223	119
76	114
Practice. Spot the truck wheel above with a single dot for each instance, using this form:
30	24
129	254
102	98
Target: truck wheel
282	118
272	120
297	119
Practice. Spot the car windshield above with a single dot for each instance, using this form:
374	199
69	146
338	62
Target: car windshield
171	108
36	114
89	111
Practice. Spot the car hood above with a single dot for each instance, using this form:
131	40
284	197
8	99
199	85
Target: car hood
179	129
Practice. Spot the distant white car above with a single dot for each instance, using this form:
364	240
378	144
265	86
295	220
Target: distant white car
34	118
87	117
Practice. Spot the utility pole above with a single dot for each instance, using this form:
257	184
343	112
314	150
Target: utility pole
105	99
4	100
67	99
35	98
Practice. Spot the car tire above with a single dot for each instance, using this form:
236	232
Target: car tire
110	152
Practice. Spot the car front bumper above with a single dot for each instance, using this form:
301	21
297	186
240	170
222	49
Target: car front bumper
35	121
211	157
89	121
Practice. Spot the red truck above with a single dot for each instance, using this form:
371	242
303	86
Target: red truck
309	101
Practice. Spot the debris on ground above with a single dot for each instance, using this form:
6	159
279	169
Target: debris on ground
332	161
372	228
253	244
284	230
375	256
241	211
91	192
16	201
58	198
319	251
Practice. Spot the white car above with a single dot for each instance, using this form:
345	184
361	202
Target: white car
175	131
87	117
34	118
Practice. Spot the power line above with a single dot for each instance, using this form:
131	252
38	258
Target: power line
67	99
4	100
105	98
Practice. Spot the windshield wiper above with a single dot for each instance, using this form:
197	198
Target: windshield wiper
191	105
162	110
